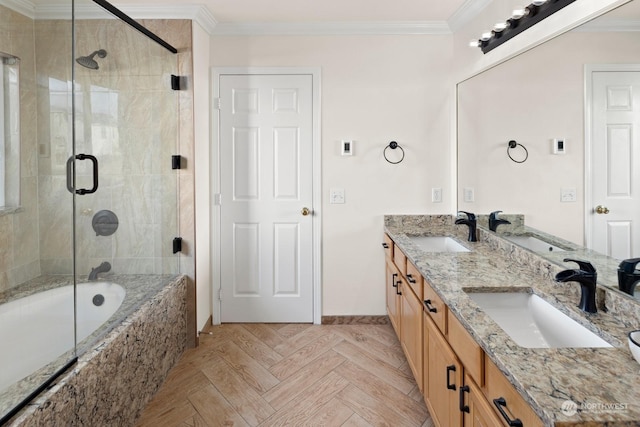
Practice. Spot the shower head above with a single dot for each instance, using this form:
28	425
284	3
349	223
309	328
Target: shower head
89	62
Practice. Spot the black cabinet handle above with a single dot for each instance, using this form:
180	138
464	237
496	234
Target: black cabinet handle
501	403
385	245
395	284
464	408
431	308
410	278
398	292
450	368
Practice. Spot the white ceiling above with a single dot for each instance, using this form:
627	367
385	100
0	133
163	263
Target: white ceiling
304	11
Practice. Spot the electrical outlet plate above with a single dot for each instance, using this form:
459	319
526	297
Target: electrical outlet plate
469	194
436	195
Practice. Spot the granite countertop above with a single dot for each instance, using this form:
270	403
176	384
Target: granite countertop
603	382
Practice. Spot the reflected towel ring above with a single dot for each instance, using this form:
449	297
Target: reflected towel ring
514	144
393	145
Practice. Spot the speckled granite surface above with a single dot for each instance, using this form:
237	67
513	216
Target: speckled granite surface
603	382
115	378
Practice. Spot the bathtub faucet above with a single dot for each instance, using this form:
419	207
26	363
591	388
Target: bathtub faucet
102	268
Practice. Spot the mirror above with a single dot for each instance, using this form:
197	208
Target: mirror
9	133
534	99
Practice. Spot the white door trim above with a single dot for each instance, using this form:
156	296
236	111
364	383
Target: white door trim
216	73
589	69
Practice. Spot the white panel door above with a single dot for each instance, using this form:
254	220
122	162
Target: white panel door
615	163
266	171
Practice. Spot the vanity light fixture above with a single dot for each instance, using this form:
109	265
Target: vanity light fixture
520	20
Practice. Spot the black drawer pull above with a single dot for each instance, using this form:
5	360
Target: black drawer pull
410	278
385	245
501	403
450	368
398	292
464	408
395	284
431	308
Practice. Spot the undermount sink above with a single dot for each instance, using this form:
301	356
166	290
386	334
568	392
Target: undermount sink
533	243
534	323
437	244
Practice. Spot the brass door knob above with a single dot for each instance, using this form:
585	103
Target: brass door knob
600	210
306	211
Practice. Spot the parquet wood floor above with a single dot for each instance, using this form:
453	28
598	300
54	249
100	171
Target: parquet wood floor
293	375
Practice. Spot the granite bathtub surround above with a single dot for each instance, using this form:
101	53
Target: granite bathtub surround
113	381
603	382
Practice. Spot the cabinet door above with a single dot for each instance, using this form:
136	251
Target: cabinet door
476	410
445	377
411	332
425	355
505	399
393	296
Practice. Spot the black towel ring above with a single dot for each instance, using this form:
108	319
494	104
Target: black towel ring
514	144
393	145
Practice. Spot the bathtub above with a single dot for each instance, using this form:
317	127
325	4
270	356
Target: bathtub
36	329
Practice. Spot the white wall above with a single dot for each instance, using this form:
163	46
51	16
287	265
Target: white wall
201	117
375	89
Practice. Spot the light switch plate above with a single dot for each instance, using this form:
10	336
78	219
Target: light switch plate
559	146
568	195
336	196
346	147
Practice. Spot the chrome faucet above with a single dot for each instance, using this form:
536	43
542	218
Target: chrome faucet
586	276
494	221
470	221
102	268
628	276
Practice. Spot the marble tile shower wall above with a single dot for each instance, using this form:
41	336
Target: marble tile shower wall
19	260
127	118
136	181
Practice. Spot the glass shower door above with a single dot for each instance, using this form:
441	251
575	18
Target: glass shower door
125	134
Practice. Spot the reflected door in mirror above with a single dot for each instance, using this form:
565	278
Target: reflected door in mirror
615	163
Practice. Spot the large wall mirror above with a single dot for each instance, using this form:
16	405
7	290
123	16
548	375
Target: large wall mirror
553	92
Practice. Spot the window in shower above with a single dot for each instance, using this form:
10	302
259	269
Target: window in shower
9	132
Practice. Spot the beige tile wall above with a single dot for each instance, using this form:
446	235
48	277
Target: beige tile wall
127	118
19	257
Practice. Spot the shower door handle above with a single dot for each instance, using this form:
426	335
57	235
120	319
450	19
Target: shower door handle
94	161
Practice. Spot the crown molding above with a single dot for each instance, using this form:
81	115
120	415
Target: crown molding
24	7
196	12
465	13
203	17
330	28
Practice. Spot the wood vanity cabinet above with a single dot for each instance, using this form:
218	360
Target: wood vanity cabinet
443	381
411	331
404	305
476	410
461	386
394	290
501	394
